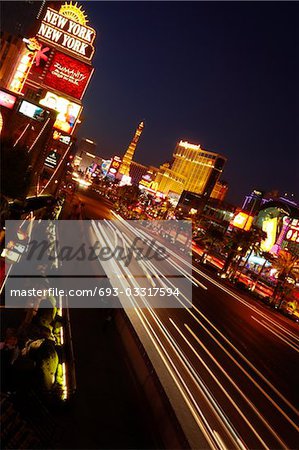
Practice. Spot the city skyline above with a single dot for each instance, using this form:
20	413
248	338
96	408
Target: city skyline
214	74
246	112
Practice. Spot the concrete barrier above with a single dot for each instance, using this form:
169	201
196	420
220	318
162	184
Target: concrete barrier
165	420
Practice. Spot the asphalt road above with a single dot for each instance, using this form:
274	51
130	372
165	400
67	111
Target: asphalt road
233	361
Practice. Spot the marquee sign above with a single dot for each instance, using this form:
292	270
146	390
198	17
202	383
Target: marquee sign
68	75
67	34
293	231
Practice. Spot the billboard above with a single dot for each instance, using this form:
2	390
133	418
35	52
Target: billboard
68	75
68	111
33	111
7	100
105	166
242	221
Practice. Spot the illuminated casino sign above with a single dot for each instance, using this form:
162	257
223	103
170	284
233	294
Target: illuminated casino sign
105	166
242	221
7	99
293	231
68	30
68	111
68	75
114	166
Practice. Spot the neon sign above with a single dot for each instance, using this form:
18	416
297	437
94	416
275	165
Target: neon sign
293	231
22	71
64	32
153	185
68	75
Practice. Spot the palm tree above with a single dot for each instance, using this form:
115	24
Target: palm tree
287	266
252	246
246	242
236	244
268	257
212	237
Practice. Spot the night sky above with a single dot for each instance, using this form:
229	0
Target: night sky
221	74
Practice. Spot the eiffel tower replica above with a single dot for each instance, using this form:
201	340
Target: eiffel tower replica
128	156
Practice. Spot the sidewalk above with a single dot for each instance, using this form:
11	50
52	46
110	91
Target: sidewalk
108	411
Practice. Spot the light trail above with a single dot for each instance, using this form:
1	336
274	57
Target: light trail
55	171
277	392
253	407
39	135
276	333
243	369
247	361
274	389
201	386
218	412
22	134
288	332
220	286
145	238
172	370
236	362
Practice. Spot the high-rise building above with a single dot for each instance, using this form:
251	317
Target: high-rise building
193	169
137	171
128	156
253	202
86	158
220	190
87	146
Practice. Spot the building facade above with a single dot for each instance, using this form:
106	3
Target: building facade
137	171
220	190
51	72
192	169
